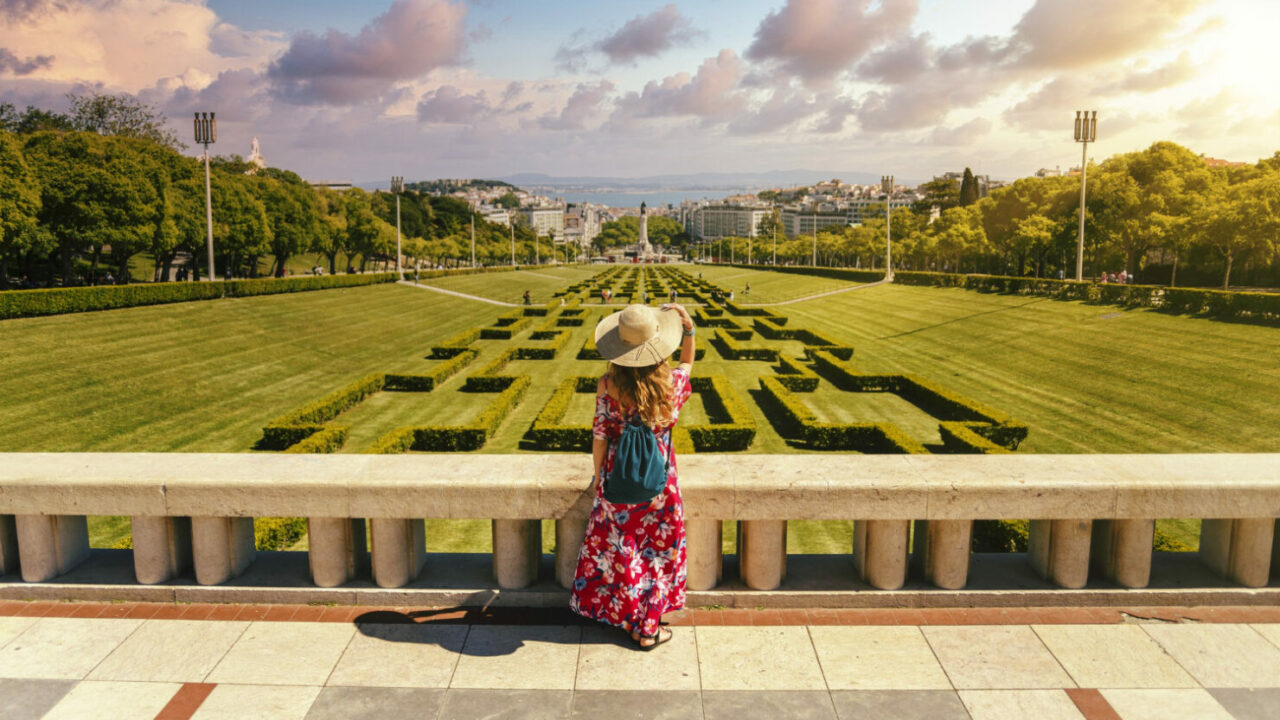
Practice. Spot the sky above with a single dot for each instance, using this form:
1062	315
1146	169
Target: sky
358	91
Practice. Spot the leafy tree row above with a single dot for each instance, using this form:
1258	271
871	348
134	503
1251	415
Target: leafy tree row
626	230
1160	214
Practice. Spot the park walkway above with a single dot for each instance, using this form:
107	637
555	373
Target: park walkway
137	660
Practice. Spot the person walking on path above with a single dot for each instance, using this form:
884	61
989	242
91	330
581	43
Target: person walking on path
631	567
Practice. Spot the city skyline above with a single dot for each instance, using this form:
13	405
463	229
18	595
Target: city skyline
432	88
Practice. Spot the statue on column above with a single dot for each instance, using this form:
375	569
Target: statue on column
643	246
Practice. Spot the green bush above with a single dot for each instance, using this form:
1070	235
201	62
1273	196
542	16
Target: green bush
300	424
57	301
549	432
731	426
731	349
329	439
455	344
794	376
431	379
961	437
487	378
278	533
1000	536
849	274
506	327
795	420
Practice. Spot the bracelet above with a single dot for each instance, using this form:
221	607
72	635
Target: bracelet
690	332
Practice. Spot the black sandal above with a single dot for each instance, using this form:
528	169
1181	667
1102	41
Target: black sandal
658	638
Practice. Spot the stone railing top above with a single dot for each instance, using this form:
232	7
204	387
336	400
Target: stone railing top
737	486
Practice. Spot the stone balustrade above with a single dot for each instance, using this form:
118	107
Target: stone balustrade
1092	516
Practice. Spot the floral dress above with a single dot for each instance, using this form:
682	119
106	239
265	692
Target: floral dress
631	568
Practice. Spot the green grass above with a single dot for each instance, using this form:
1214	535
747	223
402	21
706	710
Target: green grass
541	282
766	287
206	376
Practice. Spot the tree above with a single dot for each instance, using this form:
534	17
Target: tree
32	120
942	192
508	201
123	115
19	204
1241	222
292	211
968	188
957	234
241	231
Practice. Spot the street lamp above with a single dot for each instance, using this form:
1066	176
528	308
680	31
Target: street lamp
397	187
1086	132
207	134
886	184
814	261
776	220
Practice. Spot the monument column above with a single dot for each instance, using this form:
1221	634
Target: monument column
643	246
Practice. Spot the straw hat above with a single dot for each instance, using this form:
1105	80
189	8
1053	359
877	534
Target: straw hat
639	336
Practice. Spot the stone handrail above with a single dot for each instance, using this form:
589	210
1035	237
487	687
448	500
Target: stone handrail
195	510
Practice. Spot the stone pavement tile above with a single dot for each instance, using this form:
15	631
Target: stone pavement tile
1149	704
767	705
1221	655
519	657
237	702
271	653
402	656
1269	631
877	658
113	701
64	648
12	627
609	660
184	703
1019	705
1091	704
1113	656
30	699
375	703
977	657
170	651
752	658
1248	703
637	705
898	705
472	704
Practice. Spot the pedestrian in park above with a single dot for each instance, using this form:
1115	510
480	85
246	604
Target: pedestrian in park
631	567
672	296
528	300
747	289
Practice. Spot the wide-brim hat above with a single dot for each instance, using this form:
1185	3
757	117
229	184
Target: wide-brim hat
639	336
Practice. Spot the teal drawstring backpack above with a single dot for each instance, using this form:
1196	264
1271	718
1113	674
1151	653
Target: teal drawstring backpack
639	470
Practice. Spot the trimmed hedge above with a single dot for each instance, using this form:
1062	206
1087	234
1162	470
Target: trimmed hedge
549	432
798	421
456	438
731	349
731	427
328	440
506	326
961	437
57	301
455	344
794	376
300	424
431	379
487	379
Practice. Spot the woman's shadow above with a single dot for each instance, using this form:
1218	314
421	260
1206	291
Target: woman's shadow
478	631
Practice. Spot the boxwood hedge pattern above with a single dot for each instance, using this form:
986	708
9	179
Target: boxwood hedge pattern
964	425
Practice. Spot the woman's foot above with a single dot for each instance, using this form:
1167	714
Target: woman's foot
649	642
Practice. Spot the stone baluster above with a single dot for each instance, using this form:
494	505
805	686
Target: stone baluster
338	550
1239	549
161	547
50	545
399	550
880	552
762	553
1121	551
221	547
517	552
703	551
1059	551
943	548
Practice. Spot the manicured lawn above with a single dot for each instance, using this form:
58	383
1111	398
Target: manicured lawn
206	376
766	287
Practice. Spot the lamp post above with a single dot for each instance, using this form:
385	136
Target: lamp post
886	184
814	261
397	187
776	220
1086	132
473	238
207	134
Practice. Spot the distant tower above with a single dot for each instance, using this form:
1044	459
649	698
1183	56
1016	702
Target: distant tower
644	247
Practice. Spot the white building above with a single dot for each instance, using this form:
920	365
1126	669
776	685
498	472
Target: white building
711	222
544	220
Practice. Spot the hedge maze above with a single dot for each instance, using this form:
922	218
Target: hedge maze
800	362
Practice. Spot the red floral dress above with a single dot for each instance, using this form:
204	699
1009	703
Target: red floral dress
631	568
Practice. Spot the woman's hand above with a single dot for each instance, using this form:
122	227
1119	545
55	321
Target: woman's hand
684	314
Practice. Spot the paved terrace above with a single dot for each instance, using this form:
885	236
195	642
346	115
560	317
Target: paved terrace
174	661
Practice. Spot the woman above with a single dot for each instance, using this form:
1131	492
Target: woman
631	568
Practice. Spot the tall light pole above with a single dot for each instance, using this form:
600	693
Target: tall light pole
886	184
473	238
1086	132
207	134
511	225
397	187
814	261
776	220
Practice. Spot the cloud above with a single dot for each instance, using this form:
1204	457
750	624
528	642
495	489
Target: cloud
709	94
584	103
1066	34
409	40
904	60
1174	73
817	39
448	104
228	40
642	36
10	63
965	134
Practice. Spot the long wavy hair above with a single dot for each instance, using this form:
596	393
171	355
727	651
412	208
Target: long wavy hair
648	389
